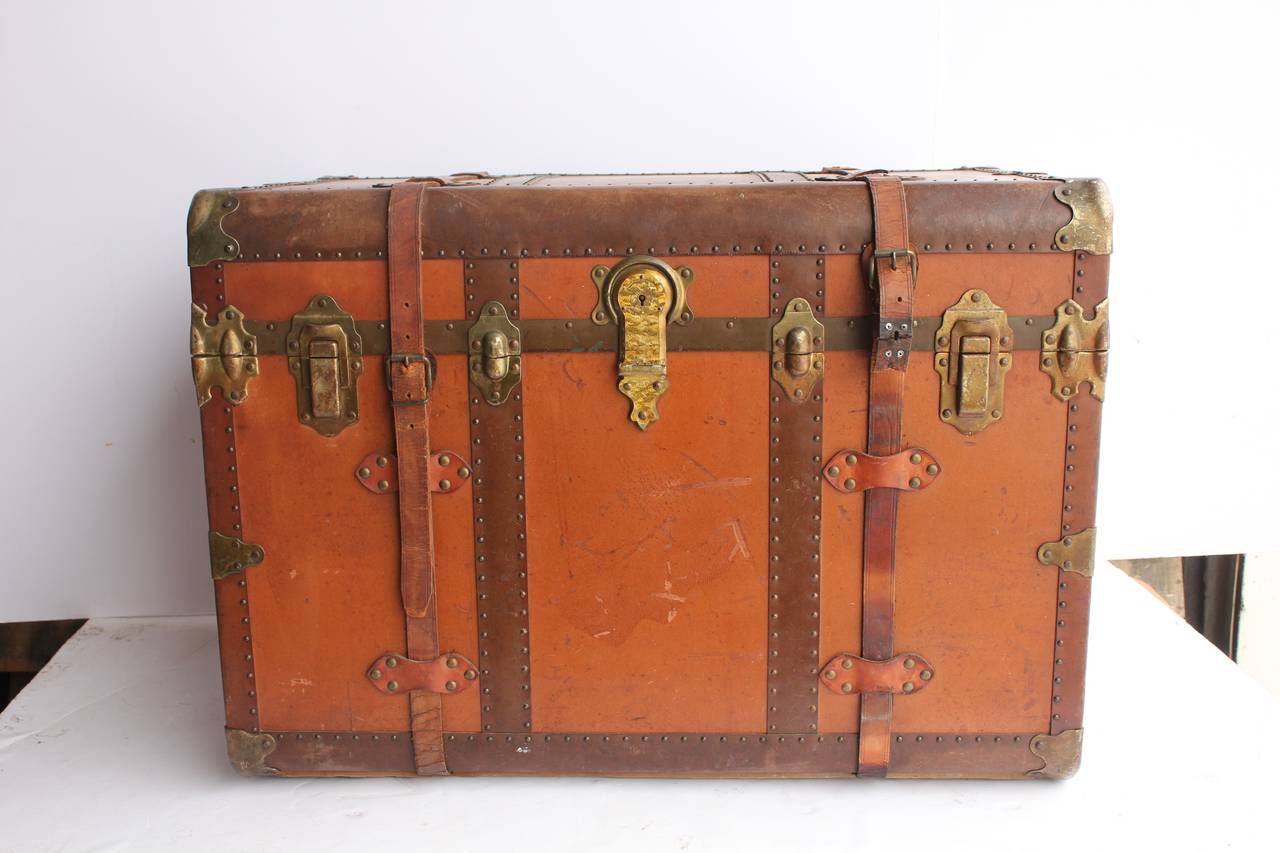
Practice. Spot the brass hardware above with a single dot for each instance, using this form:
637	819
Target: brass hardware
972	353
798	358
206	241
1074	350
494	344
222	355
228	555
643	295
324	352
1060	754
248	752
1072	553
1090	227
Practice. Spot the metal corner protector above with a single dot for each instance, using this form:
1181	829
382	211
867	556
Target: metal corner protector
206	239
1091	217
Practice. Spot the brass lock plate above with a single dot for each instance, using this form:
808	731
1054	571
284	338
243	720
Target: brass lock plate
642	295
324	357
798	359
1074	350
223	355
972	354
494	347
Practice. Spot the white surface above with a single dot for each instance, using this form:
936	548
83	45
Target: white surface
112	114
118	746
1258	650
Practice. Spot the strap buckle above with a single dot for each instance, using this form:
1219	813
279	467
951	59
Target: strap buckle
408	358
873	271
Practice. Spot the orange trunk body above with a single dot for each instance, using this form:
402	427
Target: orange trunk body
648	531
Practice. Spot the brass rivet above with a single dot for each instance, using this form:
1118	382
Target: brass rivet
383	485
851	484
831	674
932	469
926	675
833	470
445	459
914	482
445	485
451	685
847	663
452	663
364	473
469	675
907	687
381	461
915	458
909	663
375	674
464	473
391	685
851	459
846	688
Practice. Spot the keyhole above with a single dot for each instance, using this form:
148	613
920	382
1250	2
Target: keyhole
642	298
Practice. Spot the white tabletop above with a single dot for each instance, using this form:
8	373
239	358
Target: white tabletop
118	745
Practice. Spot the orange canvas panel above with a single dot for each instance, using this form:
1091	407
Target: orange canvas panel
971	596
844	416
326	600
1020	284
647	550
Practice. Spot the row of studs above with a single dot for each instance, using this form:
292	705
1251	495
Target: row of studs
1065	578
227	424
801	558
610	251
485	587
934	739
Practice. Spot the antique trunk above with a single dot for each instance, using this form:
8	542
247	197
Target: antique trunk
759	474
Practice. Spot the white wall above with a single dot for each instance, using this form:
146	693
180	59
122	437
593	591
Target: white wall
113	114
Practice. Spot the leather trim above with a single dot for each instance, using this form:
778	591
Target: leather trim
410	381
985	755
795	512
497	459
222	488
912	469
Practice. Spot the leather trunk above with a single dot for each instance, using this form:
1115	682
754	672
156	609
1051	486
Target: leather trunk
756	474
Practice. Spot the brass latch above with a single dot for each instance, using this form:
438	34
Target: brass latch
222	355
798	359
643	295
494	344
972	353
324	357
1074	350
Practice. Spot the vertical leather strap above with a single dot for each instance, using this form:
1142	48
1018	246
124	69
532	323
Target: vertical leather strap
409	380
893	275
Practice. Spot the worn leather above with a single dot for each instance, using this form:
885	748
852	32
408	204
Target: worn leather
895	282
409	375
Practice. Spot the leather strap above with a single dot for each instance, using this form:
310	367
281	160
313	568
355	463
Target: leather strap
409	380
892	268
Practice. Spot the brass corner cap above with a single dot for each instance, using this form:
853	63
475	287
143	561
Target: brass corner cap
1091	216
206	240
248	752
1060	754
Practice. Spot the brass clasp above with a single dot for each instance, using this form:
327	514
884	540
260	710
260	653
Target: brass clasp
494	346
798	359
324	358
643	295
972	353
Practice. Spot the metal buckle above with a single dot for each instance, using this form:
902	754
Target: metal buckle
873	273
408	358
